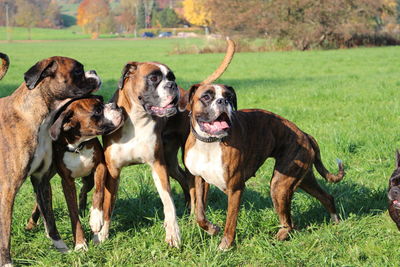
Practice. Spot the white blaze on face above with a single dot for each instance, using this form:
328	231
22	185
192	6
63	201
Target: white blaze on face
164	95
113	115
89	75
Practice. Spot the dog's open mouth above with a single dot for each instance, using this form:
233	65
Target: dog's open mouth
216	127
396	204
165	111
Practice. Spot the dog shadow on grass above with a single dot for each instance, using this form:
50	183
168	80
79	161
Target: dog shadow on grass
350	198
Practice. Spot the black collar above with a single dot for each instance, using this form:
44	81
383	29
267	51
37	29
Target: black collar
210	139
76	150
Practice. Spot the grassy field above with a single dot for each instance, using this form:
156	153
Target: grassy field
347	99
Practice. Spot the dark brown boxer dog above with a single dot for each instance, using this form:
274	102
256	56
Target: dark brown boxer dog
394	193
149	96
5	62
78	153
226	147
25	143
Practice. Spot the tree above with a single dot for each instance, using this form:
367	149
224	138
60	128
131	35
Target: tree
94	16
197	13
167	17
27	15
140	16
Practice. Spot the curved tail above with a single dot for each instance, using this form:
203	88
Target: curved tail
5	62
230	51
330	177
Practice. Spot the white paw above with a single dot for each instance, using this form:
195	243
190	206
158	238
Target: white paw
60	246
172	234
334	218
8	265
96	220
102	236
81	247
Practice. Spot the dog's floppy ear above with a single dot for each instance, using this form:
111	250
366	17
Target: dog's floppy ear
39	71
183	100
55	129
129	68
192	90
234	99
397	159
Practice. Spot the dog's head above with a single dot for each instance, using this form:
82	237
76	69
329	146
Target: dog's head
211	108
152	85
394	184
61	78
84	119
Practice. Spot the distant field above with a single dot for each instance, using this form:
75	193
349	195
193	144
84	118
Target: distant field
347	99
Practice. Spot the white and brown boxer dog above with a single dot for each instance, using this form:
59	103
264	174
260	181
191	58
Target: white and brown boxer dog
226	147
149	96
78	153
25	143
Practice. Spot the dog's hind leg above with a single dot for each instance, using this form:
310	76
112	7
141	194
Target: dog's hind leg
311	186
282	189
42	189
88	183
32	222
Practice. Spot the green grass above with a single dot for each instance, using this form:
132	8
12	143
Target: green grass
347	99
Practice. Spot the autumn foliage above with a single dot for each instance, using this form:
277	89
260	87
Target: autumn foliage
196	12
93	16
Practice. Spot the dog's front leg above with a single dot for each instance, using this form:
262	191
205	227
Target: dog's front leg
69	190
42	189
201	200
160	177
96	211
7	197
234	197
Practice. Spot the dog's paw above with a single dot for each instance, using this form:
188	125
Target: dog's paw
81	247
102	235
60	246
172	234
213	229
96	221
283	234
225	244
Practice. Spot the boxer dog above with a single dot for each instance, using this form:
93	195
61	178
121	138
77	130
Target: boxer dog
226	147
152	133
394	193
78	153
25	143
5	62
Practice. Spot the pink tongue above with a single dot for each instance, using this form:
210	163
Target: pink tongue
216	126
395	201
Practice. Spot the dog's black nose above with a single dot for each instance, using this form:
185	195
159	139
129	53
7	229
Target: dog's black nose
222	101
92	72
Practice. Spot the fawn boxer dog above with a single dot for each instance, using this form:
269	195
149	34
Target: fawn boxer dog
226	147
78	153
5	62
394	193
25	143
152	133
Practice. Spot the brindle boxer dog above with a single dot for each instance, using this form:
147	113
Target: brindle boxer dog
25	143
5	62
226	147
394	193
78	153
149	96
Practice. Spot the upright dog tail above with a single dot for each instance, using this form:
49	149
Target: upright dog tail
330	177
230	51
5	62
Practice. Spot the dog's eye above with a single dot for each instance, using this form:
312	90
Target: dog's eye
78	72
206	97
98	111
154	78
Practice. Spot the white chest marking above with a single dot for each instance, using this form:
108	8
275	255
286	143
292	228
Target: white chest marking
137	144
43	153
80	164
205	160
